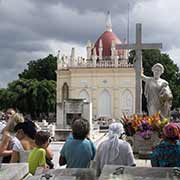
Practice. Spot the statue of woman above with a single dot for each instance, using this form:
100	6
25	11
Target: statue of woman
157	92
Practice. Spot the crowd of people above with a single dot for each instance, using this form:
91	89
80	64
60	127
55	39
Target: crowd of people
20	138
22	142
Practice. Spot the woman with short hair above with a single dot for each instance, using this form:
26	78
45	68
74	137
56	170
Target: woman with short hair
78	151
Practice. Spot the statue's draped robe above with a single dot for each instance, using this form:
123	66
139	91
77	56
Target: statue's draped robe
158	95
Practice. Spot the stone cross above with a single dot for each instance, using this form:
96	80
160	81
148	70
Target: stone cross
139	46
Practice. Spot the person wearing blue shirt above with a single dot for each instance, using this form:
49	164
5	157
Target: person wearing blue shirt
167	153
78	151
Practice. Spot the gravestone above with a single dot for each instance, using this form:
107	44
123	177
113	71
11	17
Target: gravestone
68	174
112	172
13	171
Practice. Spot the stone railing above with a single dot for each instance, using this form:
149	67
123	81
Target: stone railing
102	64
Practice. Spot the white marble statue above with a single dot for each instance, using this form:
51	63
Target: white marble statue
157	92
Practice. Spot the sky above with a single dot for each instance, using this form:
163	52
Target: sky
32	29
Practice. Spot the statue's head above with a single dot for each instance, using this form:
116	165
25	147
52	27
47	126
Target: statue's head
157	70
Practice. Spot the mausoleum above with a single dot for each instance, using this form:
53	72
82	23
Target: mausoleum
105	77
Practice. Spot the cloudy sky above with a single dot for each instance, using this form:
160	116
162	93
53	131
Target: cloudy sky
31	29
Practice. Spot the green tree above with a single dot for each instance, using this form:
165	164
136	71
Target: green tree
30	96
41	69
171	73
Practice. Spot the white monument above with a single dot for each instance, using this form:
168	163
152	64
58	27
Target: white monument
158	94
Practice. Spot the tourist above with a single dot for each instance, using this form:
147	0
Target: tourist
25	133
157	92
5	118
167	153
37	157
114	150
70	137
78	145
14	119
4	143
2	122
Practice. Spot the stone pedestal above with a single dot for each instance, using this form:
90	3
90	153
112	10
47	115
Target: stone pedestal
141	145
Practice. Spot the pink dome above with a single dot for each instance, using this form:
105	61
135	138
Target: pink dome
107	38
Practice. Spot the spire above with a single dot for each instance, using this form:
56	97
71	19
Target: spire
72	57
100	49
58	60
58	55
88	48
108	22
73	53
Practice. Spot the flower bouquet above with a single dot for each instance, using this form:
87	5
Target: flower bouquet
145	130
143	125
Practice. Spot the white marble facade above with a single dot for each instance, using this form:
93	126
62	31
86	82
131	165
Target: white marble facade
111	91
104	77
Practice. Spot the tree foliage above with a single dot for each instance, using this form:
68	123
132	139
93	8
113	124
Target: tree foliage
35	90
30	96
171	73
41	69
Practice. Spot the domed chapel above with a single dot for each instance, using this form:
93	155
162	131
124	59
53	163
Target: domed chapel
104	77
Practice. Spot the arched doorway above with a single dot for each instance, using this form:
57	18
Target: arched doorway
104	104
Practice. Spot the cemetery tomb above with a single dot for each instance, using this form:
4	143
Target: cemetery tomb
114	172
67	174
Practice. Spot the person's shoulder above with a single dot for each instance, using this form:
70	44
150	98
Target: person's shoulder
15	139
102	145
86	141
124	144
178	143
41	150
164	145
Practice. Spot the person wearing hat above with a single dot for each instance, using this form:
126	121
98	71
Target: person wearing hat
167	153
115	150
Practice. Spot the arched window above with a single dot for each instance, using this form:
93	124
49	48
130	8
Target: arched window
105	104
127	102
84	95
65	91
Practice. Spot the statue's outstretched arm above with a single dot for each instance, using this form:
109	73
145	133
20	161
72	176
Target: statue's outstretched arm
144	78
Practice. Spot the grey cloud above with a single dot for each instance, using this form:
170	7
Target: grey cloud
84	6
26	29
